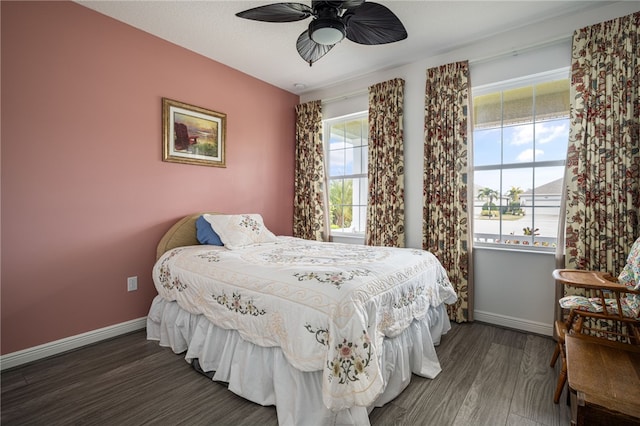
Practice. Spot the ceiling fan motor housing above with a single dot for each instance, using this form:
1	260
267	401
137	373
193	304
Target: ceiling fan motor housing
327	31
327	28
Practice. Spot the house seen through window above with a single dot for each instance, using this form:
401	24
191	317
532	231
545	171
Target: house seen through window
520	138
346	142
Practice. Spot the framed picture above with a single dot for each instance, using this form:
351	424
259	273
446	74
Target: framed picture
192	135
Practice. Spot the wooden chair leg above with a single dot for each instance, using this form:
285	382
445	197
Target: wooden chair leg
562	380
556	354
562	328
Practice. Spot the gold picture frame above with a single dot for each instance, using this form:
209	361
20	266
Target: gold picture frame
192	135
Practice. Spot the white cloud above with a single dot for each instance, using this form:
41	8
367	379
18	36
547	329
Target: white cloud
522	135
527	155
546	132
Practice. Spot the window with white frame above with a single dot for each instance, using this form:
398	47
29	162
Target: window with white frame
520	138
346	143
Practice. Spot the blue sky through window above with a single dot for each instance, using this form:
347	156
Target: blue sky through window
516	146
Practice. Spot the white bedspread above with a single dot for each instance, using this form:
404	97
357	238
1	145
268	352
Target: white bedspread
326	305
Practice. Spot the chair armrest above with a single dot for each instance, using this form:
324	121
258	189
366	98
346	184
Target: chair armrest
590	279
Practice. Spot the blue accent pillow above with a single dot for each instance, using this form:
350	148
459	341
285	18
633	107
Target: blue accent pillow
206	234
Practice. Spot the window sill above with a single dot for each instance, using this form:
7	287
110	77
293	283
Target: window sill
348	238
516	248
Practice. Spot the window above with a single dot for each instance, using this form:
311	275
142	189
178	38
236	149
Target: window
347	149
520	137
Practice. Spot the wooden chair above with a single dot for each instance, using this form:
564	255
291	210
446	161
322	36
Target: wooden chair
616	301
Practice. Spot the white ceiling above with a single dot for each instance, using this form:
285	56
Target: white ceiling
267	51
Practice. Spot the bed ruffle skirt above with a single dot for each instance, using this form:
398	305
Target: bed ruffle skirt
263	375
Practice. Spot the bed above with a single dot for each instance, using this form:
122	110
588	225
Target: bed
323	331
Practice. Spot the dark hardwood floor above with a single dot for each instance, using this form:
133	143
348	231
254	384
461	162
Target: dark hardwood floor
490	376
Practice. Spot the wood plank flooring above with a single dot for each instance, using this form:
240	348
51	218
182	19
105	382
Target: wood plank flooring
490	376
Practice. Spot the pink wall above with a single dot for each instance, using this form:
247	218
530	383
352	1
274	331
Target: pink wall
85	195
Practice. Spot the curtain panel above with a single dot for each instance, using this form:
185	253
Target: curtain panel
309	202
385	206
603	160
446	225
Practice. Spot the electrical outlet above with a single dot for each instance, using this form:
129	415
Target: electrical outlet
132	283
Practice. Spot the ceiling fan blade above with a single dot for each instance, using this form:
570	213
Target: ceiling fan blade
309	50
278	12
346	4
373	23
351	4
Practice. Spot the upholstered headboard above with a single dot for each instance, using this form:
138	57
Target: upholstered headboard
182	233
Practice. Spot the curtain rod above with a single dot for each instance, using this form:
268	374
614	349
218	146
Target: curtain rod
484	59
346	96
518	51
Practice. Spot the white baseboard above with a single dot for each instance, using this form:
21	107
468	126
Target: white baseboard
515	323
56	347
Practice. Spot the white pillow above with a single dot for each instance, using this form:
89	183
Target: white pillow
240	230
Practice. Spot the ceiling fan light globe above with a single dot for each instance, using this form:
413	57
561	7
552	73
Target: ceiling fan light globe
327	31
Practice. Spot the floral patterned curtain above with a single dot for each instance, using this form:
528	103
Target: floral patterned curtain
385	207
446	229
309	202
603	160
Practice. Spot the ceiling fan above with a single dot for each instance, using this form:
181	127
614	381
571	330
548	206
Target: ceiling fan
359	21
